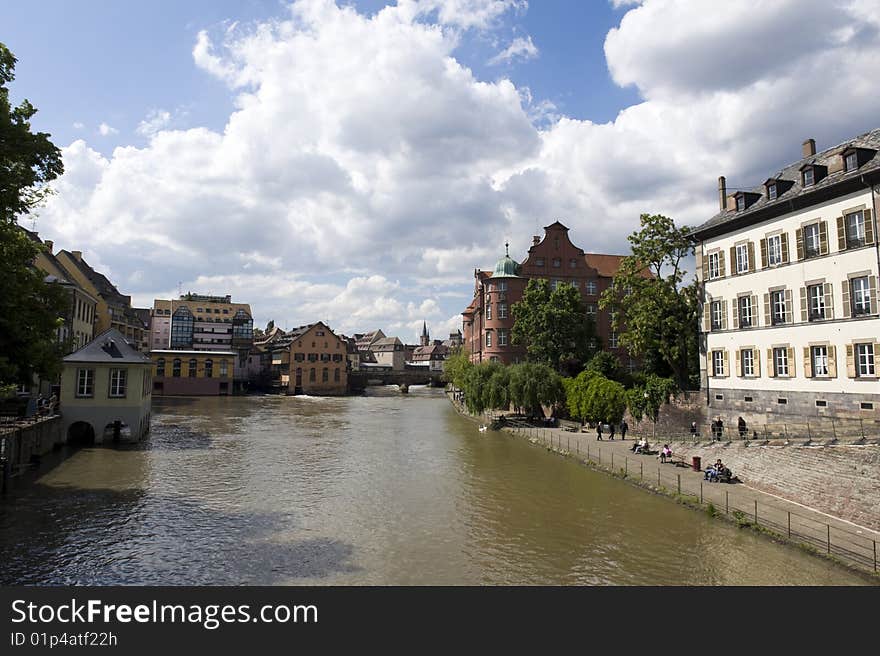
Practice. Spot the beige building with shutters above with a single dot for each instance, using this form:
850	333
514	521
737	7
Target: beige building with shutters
789	272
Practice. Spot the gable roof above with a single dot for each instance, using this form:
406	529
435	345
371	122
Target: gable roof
109	347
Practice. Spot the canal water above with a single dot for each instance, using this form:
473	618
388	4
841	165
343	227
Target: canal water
381	489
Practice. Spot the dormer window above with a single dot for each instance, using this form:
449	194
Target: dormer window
740	203
851	161
771	191
809	177
745	199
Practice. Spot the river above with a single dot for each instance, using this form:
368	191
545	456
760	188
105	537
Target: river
380	489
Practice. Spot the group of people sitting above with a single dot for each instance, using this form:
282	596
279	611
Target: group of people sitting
641	446
718	473
665	453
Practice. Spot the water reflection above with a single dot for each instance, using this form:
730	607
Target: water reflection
382	489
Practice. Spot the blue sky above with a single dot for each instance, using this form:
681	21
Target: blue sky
354	162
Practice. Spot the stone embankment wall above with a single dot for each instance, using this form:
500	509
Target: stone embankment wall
674	417
22	445
842	480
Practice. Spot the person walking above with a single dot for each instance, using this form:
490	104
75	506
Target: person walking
623	428
611	430
599	430
694	430
741	424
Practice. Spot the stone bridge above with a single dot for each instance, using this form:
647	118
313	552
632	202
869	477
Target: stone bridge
359	380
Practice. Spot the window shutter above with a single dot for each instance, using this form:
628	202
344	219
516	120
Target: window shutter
707	316
755	311
767	315
804	316
829	300
702	264
791	362
788	306
734	310
785	248
869	227
738	364
832	362
756	354
721	267
723	315
726	363
799	240
847	309
872	283
751	256
850	362
734	267
841	234
764	260
771	364
823	237
808	363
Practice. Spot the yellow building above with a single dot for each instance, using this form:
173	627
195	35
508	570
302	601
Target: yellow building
106	391
192	373
312	360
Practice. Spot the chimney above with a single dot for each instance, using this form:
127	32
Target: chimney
722	192
78	256
49	245
809	148
536	240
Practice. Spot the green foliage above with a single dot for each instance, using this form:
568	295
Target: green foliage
592	397
649	396
711	510
481	387
533	385
607	364
456	367
30	310
553	326
657	315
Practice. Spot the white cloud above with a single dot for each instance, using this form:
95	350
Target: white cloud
365	172
105	130
520	48
78	126
156	120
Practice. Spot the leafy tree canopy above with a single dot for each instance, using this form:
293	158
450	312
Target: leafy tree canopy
533	385
592	397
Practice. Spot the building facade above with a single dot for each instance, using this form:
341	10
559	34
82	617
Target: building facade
106	391
488	321
311	360
192	373
789	272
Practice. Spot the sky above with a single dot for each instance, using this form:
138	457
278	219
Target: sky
354	162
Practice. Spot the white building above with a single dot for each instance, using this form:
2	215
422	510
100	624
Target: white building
790	268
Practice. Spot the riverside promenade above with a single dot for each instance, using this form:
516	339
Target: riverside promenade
822	533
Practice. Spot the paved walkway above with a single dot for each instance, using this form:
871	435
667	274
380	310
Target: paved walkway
853	544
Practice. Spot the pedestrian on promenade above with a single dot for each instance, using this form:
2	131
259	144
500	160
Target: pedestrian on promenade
611	429
599	430
741	424
720	428
694	429
623	428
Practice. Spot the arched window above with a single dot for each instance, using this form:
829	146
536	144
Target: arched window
175	371
209	368
193	364
312	375
160	367
223	370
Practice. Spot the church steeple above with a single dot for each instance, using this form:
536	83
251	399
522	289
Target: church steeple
425	340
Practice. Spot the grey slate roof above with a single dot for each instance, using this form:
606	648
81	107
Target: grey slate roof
108	347
791	173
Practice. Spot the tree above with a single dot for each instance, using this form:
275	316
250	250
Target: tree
533	385
553	326
455	368
656	315
30	309
647	399
608	365
592	397
478	395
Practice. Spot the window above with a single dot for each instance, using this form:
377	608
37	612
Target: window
613	341
557	262
748	399
502	337
160	367
193	365
555	284
816	302
771	192
747	357
539	261
117	383
224	371
855	229
572	263
175	368
809	177
777	304
742	258
319	333
865	360
209	368
714	265
851	162
325	357
740	203
780	361
861	296
774	250
502	310
819	356
866	405
502	285
299	357
85	382
821	403
312	375
716	312
811	240
488	338
592	288
488	310
745	311
325	375
336	375
718	363
591	310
